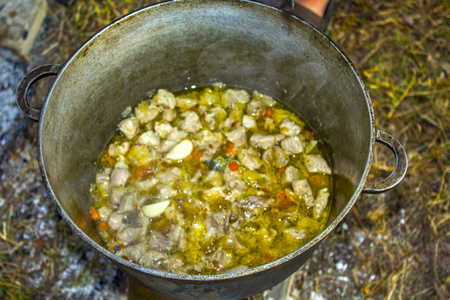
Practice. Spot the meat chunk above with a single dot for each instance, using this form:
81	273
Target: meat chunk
198	267
146	113
133	253
170	176
267	100
253	205
191	122
166	192
214	178
175	264
149	138
250	159
291	174
140	155
177	236
316	164
165	99
321	201
255	108
267	156
173	214
166	146
104	212
163	129
206	138
129	127
232	242
217	224
128	202
292	145
237	136
232	122
229	175
298	234
208	143
262	141
303	190
279	137
233	182
177	135
281	159
289	127
213	194
169	115
214	116
237	184
248	122
153	259
159	242
120	175
118	148
235	97
115	221
184	102
221	258
129	235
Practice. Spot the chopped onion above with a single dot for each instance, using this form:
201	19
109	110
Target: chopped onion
155	209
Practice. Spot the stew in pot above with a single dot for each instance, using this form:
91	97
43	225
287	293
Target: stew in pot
210	180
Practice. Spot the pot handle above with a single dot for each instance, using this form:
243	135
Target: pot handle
25	84
401	165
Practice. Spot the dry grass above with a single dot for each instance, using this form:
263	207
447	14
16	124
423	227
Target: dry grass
391	246
401	49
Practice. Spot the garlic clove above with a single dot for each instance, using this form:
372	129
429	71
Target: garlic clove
182	150
155	209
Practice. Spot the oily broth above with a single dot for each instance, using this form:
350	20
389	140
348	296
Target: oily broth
253	235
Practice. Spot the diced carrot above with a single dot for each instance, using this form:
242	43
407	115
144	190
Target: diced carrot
231	150
110	159
268	257
94	214
270	112
284	200
317	180
234	166
282	169
140	172
307	134
197	154
104	225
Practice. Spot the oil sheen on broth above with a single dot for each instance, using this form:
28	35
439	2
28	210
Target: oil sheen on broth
210	180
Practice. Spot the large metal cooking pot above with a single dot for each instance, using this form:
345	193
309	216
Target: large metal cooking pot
199	42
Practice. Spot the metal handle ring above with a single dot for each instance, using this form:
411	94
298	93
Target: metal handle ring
27	81
401	165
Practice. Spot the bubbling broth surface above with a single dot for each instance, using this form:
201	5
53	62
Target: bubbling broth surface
210	180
